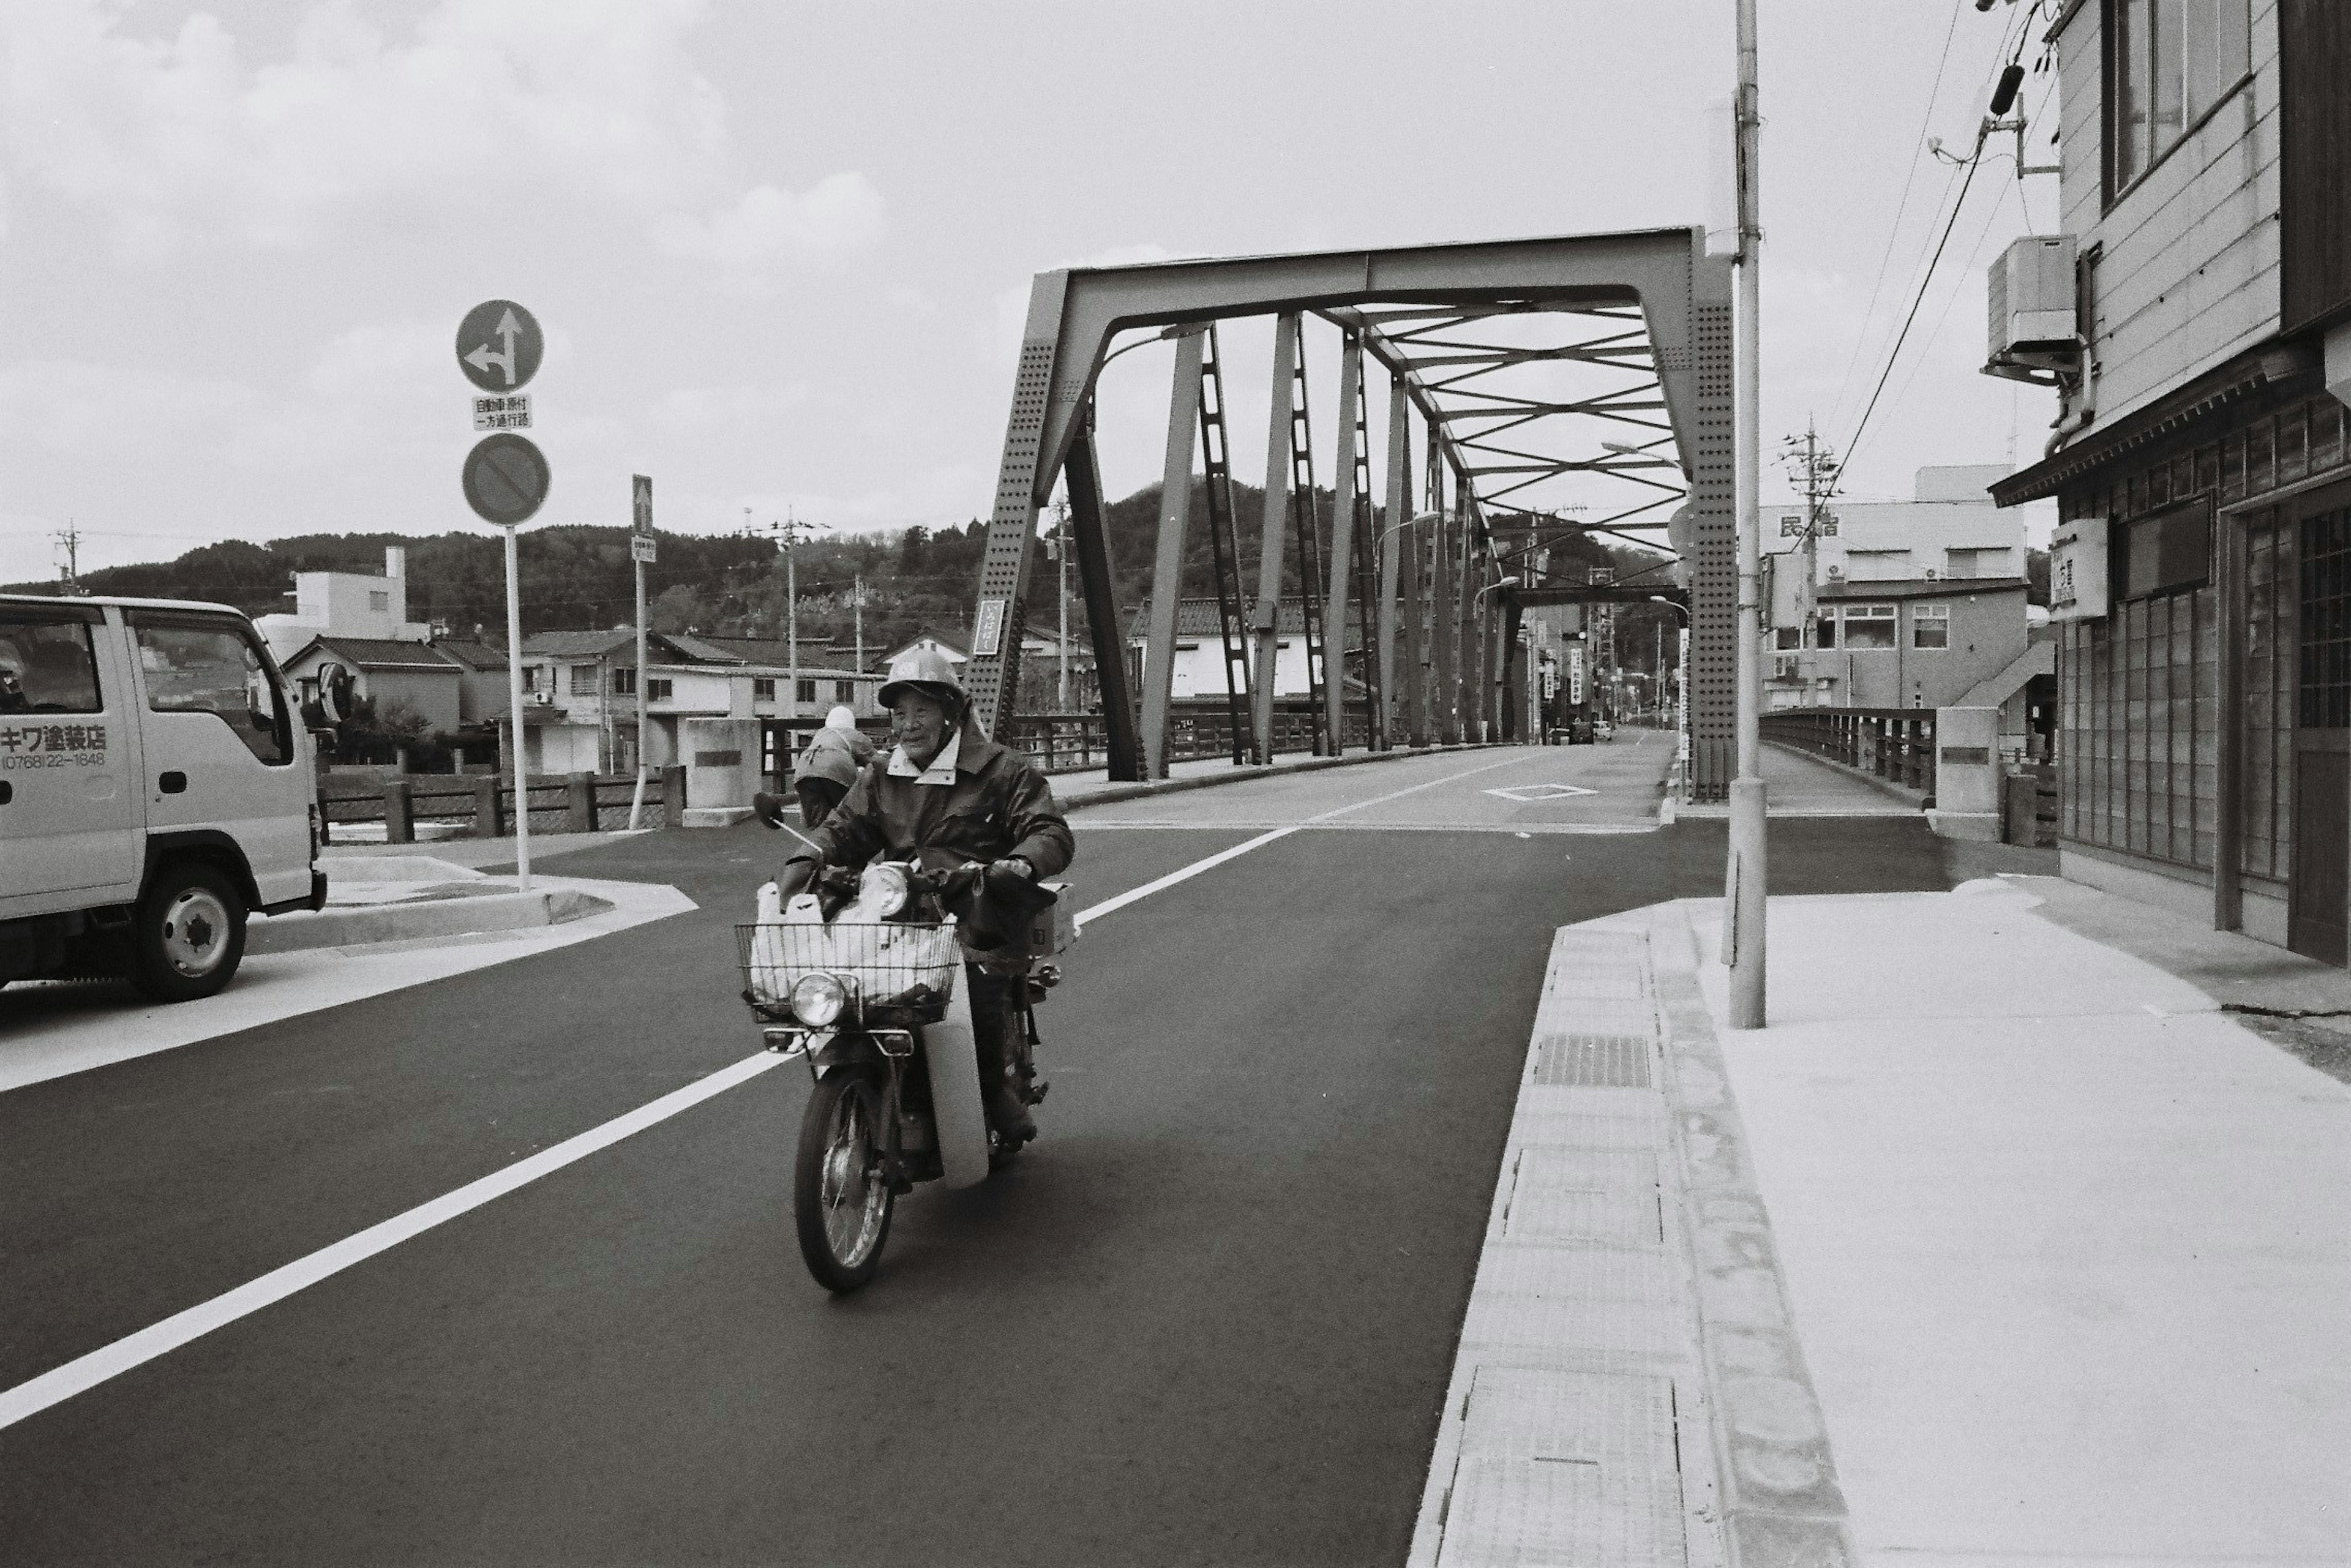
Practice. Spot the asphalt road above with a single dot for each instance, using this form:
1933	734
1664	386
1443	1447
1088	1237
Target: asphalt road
1208	1318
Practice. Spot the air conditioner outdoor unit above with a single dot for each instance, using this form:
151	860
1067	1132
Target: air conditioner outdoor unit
2032	320
1932	573
1836	574
543	699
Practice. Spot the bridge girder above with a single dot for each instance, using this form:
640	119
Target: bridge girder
1658	312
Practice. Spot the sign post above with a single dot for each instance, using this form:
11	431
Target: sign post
641	552
505	479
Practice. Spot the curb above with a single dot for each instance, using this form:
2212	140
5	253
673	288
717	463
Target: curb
347	927
1781	1505
1136	791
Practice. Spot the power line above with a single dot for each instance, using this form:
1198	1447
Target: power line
1974	161
1909	179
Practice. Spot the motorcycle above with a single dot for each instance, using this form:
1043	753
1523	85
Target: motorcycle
862	977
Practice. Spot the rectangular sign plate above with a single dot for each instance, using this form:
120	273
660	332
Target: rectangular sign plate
987	637
511	411
640	548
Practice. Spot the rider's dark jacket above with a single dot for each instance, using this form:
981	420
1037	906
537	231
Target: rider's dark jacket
999	805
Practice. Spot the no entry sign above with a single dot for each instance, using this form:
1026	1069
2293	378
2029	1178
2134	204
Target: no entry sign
506	478
498	345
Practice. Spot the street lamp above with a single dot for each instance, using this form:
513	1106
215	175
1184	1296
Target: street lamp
1510	581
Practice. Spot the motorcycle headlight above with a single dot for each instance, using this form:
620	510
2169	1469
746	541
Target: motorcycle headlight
818	999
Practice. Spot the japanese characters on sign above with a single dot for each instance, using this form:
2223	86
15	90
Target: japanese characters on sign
640	548
511	412
29	746
987	636
2077	570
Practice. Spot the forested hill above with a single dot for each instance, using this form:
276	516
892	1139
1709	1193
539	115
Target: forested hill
580	578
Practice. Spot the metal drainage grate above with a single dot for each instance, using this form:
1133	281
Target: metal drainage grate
1592	1061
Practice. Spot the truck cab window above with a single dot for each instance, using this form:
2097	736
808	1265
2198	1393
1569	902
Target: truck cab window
47	667
192	668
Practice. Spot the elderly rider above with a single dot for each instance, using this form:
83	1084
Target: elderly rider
947	787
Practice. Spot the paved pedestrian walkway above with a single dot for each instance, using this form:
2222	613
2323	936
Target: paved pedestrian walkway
2009	1241
1797	785
2068	1246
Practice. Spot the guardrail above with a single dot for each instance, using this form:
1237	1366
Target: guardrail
1894	744
483	803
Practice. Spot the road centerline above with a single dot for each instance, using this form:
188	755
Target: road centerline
1186	873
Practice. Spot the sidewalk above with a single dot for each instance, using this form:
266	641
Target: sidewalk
2068	1248
1796	785
2002	1245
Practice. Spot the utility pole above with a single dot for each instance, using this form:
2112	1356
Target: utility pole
789	533
70	573
1746	876
1815	474
857	608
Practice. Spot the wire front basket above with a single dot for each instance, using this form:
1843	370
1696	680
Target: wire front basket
905	968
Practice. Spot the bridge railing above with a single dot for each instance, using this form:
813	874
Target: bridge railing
1073	742
1894	744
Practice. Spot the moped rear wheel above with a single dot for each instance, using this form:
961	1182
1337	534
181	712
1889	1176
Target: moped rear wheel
840	1200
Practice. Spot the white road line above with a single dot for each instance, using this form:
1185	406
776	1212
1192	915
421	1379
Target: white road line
158	1339
87	1372
1109	904
1096	911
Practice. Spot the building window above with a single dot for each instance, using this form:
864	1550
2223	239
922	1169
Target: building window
1870	626
2166	552
624	681
804	690
1824	631
844	691
2168	62
763	688
657	688
1787	636
381	602
583	681
530	678
1930	626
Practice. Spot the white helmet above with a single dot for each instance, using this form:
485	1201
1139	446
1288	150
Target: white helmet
840	718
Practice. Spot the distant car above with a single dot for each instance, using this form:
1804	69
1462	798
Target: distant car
1579	729
1603	730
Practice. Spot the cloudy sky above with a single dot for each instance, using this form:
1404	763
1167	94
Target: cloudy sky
782	249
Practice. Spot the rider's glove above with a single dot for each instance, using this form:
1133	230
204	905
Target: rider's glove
795	875
1012	869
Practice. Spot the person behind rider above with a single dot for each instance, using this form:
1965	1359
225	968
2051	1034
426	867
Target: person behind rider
948	787
829	766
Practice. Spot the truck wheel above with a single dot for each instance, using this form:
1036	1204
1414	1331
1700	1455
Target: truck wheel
188	935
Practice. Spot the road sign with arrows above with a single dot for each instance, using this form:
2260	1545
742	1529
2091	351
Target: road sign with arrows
498	346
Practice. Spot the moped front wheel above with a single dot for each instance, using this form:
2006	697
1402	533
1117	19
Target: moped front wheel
841	1198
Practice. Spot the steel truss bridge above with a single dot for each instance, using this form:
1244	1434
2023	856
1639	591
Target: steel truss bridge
1581	382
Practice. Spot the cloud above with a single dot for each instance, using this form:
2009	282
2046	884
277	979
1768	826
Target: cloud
481	109
840	214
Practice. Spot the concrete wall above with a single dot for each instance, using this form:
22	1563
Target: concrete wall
1988	632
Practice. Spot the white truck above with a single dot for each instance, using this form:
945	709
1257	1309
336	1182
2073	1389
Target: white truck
156	789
